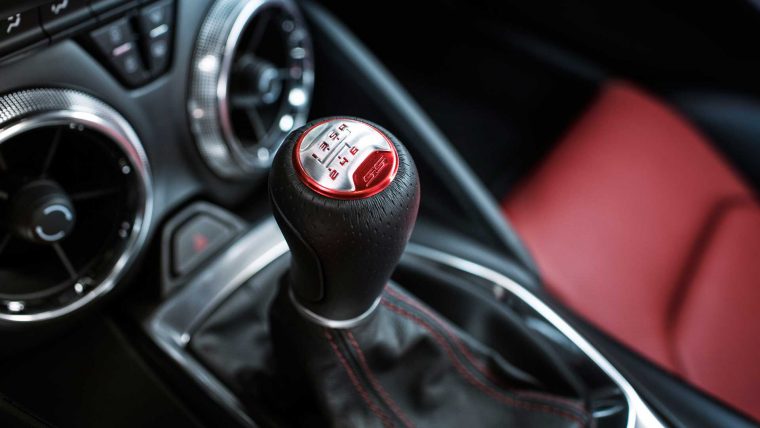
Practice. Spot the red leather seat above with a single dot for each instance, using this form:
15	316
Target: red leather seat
639	226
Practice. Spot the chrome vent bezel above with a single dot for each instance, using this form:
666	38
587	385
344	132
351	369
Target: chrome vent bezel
32	109
208	106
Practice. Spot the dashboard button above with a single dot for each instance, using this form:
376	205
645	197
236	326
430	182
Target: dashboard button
158	53
57	15
126	60
156	27
196	240
116	43
20	29
156	16
112	36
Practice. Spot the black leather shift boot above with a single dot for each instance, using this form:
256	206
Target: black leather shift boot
404	366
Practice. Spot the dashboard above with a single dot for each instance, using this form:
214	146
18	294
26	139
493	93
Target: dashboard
113	114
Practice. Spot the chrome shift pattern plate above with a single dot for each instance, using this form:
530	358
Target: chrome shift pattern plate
345	159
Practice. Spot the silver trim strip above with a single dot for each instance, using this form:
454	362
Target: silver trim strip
183	312
327	322
175	321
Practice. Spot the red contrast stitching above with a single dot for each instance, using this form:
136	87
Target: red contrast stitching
355	381
378	387
465	351
479	366
496	395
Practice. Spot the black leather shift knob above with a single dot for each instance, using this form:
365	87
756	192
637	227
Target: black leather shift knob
345	193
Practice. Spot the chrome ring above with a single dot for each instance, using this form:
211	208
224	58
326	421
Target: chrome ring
330	323
23	111
208	105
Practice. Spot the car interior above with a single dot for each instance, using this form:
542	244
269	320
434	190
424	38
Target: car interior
276	213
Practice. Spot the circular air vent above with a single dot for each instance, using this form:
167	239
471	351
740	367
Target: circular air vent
252	82
75	202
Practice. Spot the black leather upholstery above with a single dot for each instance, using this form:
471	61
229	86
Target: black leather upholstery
405	366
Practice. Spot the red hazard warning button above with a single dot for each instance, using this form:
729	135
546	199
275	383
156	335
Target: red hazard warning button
196	240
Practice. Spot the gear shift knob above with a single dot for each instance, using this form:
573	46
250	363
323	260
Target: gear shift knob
345	194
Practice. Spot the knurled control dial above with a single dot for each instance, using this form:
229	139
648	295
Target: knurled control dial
345	159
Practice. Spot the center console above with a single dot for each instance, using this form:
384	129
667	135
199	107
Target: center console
182	320
306	321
